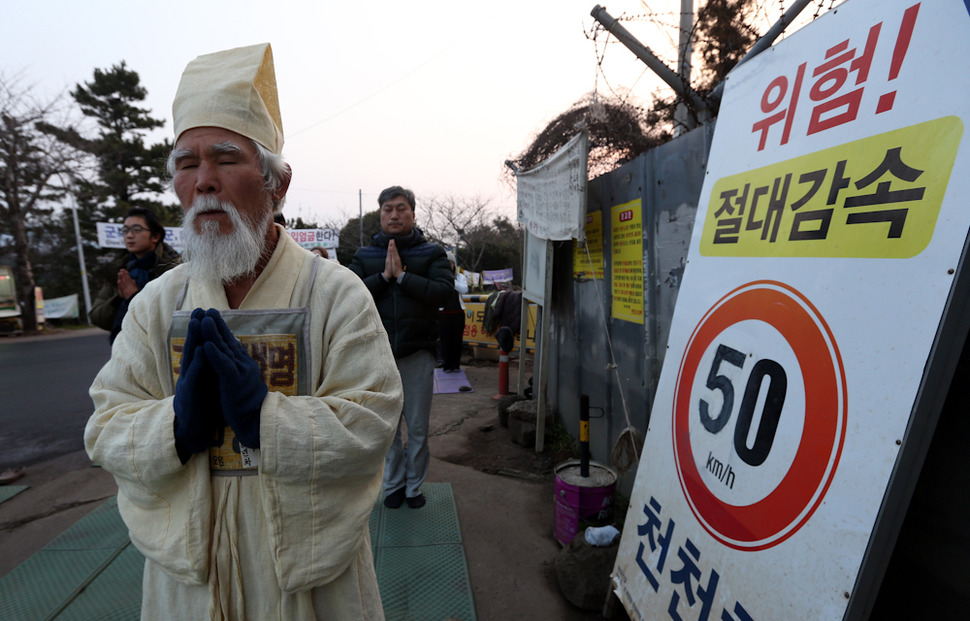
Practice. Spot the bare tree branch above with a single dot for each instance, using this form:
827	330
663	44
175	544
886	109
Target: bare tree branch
31	165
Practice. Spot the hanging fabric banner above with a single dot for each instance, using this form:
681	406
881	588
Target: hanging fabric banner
552	196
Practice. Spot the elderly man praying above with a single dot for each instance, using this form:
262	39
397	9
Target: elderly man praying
245	411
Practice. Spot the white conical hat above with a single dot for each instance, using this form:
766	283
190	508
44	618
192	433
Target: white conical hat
235	90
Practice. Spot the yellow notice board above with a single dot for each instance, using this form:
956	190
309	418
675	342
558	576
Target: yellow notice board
877	197
627	246
475	335
594	240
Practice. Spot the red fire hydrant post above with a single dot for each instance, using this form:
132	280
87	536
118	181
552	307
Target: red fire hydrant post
503	375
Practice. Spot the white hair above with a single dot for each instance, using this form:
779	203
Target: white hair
275	173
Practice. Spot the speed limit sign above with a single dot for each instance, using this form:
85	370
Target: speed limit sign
759	415
820	317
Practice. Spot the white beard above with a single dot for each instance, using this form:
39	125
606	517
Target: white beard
223	258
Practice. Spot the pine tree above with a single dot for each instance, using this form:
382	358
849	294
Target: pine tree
129	173
350	234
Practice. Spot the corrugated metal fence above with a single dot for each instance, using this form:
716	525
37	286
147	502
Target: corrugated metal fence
662	187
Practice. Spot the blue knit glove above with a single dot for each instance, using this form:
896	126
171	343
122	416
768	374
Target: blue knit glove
241	386
198	414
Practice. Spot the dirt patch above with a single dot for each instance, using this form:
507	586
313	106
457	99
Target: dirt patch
466	430
489	448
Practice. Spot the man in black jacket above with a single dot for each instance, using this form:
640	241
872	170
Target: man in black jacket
409	279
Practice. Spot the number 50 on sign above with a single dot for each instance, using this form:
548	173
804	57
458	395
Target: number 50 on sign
759	415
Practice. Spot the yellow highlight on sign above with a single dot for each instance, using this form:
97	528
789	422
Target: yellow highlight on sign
878	197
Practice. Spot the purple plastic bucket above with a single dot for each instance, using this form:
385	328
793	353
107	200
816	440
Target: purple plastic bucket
582	501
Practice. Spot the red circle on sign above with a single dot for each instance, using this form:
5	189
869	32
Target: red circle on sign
784	510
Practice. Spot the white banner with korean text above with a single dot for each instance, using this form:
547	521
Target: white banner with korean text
109	236
551	197
827	235
492	277
316	238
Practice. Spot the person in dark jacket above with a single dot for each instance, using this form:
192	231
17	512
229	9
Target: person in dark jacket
148	257
508	314
409	279
451	320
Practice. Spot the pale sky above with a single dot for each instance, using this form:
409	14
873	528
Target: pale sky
434	95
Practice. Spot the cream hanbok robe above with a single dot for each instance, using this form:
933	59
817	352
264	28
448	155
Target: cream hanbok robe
293	541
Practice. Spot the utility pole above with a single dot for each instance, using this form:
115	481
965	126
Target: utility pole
360	206
80	260
682	119
80	251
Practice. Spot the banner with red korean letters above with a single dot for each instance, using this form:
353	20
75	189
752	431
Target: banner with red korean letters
314	238
830	225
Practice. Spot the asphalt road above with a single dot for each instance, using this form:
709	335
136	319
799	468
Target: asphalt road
44	401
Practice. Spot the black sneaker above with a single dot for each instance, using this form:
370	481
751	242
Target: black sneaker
394	499
416	502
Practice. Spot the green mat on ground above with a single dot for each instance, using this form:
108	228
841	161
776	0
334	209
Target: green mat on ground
9	491
420	559
48	584
92	572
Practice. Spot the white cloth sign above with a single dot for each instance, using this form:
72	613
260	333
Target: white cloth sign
490	277
551	197
534	269
61	308
109	236
313	238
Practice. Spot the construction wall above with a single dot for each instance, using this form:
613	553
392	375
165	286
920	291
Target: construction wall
598	319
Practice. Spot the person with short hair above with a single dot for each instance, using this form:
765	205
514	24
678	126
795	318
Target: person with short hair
251	397
409	279
320	251
147	258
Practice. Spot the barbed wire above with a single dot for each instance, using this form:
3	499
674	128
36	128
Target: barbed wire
668	22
